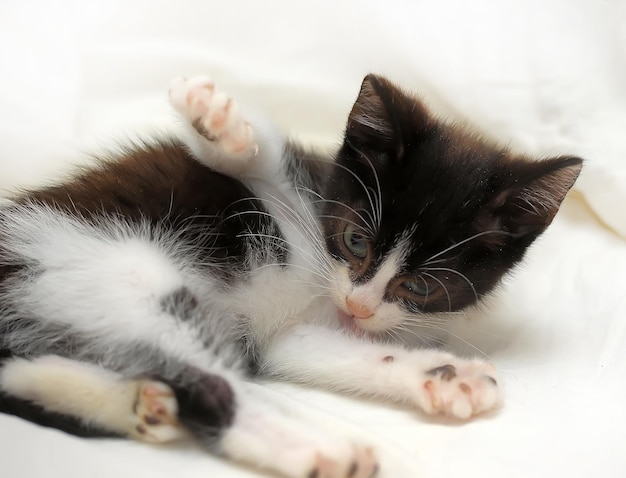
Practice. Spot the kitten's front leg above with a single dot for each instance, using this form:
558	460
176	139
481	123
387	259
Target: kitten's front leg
220	136
433	381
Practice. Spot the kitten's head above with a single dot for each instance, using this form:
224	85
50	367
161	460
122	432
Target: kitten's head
424	217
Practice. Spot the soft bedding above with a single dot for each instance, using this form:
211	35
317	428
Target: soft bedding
544	77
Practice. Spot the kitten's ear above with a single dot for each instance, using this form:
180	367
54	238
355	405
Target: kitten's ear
527	207
370	118
379	114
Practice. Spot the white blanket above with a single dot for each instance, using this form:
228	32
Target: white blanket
545	76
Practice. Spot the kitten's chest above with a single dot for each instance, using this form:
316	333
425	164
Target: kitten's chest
274	300
278	294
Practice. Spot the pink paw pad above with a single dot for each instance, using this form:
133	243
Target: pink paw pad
362	465
461	390
155	413
212	113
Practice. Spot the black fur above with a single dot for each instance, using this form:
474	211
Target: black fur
450	188
180	304
206	404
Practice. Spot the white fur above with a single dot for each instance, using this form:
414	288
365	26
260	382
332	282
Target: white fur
385	315
318	356
105	282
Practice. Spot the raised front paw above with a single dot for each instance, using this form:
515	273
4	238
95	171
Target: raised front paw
154	415
459	388
213	114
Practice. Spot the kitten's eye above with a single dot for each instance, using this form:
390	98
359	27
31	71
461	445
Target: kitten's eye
418	287
355	242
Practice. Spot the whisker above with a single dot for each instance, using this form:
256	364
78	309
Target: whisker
378	196
395	336
457	273
297	266
309	191
480	234
401	328
367	223
470	345
361	183
329	216
306	225
444	288
322	259
438	261
280	242
420	323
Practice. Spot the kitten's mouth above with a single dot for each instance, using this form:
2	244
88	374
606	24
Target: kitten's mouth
348	322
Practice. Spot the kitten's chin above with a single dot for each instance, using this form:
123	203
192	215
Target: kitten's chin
346	320
349	322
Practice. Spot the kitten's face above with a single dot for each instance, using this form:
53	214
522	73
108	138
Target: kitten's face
424	218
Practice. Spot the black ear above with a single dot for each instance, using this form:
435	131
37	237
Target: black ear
370	120
380	116
525	208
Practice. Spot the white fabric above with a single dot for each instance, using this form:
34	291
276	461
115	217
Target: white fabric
546	76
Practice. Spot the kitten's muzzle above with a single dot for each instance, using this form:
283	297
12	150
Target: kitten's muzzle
358	310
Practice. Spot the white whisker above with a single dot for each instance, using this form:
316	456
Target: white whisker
378	211
368	224
435	325
372	202
401	328
444	288
463	276
454	246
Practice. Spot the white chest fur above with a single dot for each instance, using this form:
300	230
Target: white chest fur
278	295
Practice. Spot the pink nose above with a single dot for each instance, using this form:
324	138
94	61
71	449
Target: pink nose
359	310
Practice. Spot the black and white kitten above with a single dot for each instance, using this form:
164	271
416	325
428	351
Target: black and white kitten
138	298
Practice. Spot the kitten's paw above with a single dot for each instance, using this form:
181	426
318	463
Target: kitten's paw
154	415
214	115
295	449
359	462
329	460
460	389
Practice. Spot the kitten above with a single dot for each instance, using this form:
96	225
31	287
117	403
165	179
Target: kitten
138	298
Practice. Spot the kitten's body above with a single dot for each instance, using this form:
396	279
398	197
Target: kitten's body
163	283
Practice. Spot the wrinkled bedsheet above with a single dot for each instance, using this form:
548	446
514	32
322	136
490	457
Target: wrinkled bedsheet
545	77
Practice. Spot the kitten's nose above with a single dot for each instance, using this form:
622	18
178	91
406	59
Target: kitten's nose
359	310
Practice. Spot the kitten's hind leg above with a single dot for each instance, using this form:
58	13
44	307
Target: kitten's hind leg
142	409
228	417
219	412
